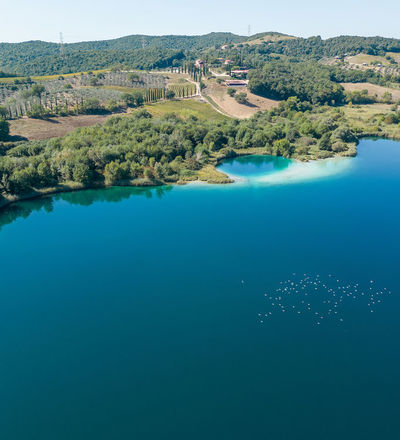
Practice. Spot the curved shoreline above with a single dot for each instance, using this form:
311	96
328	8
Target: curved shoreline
73	186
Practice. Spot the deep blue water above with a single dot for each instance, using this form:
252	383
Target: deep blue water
136	313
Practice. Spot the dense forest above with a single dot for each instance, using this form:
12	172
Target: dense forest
309	81
137	51
147	59
140	149
148	52
338	46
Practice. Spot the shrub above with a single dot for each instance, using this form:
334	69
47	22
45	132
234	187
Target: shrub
82	173
339	147
38	112
92	106
169	94
4	129
241	98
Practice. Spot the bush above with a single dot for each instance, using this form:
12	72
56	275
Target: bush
283	148
241	98
339	147
38	112
134	99
230	91
82	173
4	129
3	112
92	106
169	94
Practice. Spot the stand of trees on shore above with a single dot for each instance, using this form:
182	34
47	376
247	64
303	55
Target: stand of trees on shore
143	150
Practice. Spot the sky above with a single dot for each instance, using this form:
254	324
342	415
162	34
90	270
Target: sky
81	20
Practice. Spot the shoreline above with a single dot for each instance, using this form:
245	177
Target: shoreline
226	178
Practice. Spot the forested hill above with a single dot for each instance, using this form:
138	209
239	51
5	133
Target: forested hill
317	47
147	52
36	57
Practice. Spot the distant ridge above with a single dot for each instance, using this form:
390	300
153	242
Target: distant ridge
152	52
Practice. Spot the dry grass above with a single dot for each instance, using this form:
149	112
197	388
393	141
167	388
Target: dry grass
372	89
270	39
212	175
217	92
368	119
38	129
364	58
175	78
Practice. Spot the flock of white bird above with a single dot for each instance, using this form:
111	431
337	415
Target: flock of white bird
320	299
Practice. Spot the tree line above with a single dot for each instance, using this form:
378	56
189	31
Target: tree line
147	150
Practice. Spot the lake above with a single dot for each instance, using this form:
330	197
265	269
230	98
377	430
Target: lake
268	308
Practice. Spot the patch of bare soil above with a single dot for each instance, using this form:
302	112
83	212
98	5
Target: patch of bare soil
38	129
227	104
372	89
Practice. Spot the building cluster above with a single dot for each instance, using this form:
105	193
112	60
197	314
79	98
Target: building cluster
238	75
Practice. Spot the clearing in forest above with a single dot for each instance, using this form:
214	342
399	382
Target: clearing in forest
372	89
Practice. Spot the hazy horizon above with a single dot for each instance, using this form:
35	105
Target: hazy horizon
95	20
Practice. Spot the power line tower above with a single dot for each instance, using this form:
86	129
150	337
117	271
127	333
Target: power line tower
249	30
143	42
62	48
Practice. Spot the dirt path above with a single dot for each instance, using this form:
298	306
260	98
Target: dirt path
209	101
230	107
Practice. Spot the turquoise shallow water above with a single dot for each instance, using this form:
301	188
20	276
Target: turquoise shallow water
140	313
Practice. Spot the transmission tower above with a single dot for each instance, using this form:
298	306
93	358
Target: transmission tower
143	42
62	49
249	30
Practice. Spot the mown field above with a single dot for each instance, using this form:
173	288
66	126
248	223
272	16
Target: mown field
39	129
373	59
185	108
373	89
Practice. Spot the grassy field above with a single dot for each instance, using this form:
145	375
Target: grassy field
212	175
121	88
364	58
270	39
372	89
370	120
185	108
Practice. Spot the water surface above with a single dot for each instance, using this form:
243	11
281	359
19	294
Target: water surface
140	313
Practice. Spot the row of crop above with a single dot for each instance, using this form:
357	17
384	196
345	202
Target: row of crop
183	90
90	100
